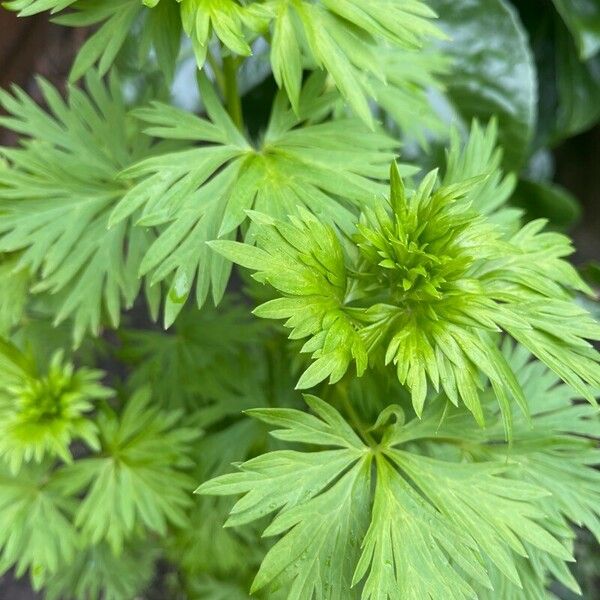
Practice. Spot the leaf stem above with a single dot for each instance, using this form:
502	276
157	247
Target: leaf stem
353	416
217	70
232	95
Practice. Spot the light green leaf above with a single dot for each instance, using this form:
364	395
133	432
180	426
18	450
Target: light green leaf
58	192
41	415
36	532
124	485
430	531
201	193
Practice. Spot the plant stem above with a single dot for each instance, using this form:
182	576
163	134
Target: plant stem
358	424
352	415
216	68
232	95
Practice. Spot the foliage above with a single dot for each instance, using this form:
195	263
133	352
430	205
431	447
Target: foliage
125	483
293	166
36	517
461	542
428	283
191	364
41	416
212	156
58	194
97	572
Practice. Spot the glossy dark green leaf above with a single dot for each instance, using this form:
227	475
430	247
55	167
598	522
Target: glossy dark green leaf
494	72
547	200
578	88
582	17
591	273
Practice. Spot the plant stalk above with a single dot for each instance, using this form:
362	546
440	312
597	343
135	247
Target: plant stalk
232	95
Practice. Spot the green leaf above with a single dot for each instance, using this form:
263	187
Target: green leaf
244	255
318	553
305	261
582	17
117	18
327	514
555	450
36	532
344	38
203	358
411	78
40	416
424	534
58	192
493	70
547	200
479	155
426	283
578	89
27	8
95	572
125	485
202	193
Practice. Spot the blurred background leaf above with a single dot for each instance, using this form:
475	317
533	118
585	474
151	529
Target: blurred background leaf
493	71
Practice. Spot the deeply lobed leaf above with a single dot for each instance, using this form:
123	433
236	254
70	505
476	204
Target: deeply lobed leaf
427	285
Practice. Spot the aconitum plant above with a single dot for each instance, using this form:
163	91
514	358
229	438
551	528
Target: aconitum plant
263	338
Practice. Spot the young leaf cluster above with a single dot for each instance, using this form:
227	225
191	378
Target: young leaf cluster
73	520
40	416
425	284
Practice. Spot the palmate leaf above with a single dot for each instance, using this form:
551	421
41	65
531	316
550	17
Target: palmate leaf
429	283
427	535
314	557
160	29
58	192
343	37
556	450
95	573
36	532
125	484
201	359
203	192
